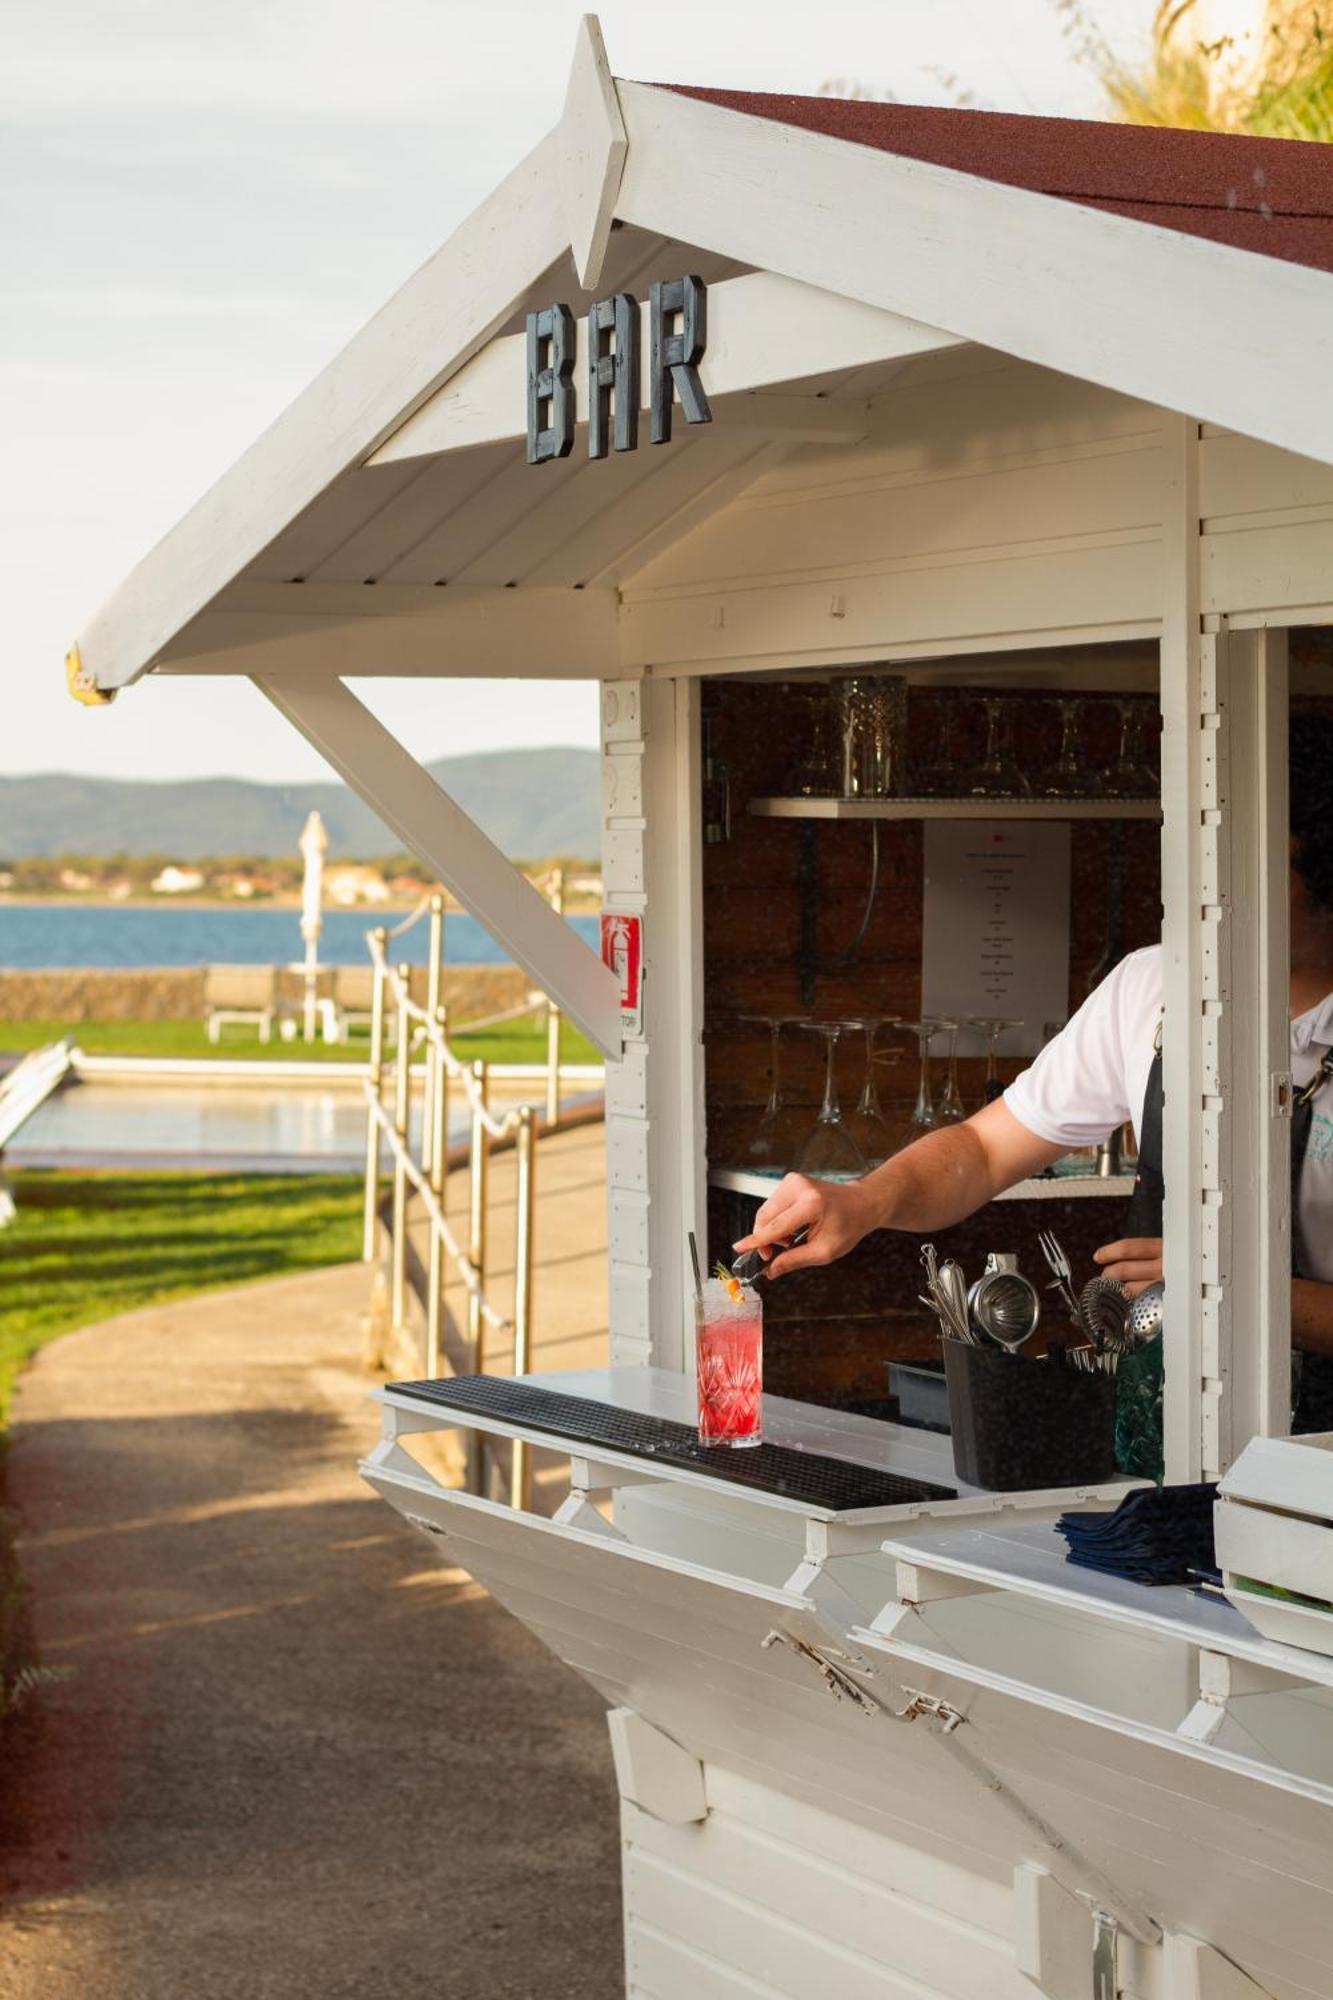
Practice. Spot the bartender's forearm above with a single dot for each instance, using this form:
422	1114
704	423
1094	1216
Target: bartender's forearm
1312	1316
952	1172
933	1183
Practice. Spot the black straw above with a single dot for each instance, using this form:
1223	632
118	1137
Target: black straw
694	1259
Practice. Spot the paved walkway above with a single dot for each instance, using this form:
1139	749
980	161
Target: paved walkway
296	1759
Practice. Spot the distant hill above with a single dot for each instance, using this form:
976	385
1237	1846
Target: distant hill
532	803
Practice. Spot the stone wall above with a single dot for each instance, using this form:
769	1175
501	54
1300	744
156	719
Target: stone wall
176	993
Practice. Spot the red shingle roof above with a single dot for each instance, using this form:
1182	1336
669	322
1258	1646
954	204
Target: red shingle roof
1273	196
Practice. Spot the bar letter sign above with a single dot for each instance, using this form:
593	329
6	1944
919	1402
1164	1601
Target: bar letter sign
677	336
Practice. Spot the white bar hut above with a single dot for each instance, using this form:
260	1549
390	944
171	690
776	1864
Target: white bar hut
980	402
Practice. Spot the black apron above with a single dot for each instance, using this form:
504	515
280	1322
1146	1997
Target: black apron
1312	1374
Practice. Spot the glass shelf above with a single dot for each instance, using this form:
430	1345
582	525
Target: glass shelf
800	808
1056	1187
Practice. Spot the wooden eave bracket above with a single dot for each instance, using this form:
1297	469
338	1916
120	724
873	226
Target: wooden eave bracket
593	148
435	828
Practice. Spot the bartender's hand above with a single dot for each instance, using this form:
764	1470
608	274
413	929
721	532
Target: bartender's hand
1135	1260
837	1214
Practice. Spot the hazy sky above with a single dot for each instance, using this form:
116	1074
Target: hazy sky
201	203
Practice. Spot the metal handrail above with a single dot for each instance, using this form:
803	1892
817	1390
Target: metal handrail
427	1026
467	1271
456	1068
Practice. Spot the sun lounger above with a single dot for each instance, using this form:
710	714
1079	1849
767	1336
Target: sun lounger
242	996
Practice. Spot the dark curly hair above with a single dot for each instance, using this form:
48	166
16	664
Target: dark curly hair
1310	785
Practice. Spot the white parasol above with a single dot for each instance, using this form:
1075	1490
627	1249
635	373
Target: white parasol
314	845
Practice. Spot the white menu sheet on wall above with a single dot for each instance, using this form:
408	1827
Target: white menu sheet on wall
996	927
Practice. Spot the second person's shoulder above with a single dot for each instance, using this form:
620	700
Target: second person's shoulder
1136	982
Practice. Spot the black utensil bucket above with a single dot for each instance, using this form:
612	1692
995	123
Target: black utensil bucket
1020	1423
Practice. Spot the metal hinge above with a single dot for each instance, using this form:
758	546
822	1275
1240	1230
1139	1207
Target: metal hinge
1280	1094
930	1704
838	1682
1105	1956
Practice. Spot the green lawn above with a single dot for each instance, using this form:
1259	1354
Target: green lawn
85	1246
520	1043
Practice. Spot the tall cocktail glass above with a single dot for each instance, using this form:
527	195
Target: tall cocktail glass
729	1354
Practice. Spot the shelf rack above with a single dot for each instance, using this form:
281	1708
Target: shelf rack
1055	1187
799	808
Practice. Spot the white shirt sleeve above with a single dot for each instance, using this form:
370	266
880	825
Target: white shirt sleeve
1078	1090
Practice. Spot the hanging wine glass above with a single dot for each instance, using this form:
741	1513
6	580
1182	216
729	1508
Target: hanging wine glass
869	1127
1131	776
921	1118
992	1029
764	1146
1069	777
949	1108
830	1152
999	775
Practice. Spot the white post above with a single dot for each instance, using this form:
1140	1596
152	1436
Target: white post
314	844
654	1098
1189	724
557	902
1253	1359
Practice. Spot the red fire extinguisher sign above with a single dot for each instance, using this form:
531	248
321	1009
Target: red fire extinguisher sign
622	950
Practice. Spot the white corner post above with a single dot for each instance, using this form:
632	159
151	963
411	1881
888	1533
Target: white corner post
654	1097
454	849
1190	970
1225	1131
1253	1332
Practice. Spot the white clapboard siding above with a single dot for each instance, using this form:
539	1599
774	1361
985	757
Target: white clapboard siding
802	1922
1210	1844
1279	566
846	534
1266	521
911	536
960	1893
1104	587
1012	501
959	412
1239	475
684	1649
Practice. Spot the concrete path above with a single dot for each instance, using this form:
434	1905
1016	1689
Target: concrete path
296	1759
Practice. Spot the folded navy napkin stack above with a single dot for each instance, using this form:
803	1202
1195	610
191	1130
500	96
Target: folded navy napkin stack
1158	1534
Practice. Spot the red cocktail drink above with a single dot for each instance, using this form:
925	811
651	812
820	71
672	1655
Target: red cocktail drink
729	1348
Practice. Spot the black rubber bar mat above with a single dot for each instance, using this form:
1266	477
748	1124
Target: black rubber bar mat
828	1483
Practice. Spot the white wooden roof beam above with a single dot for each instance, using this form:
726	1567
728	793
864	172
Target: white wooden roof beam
1150	312
455	850
366	630
593	149
763	329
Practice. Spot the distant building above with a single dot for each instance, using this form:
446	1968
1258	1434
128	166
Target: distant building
74	878
175	881
352	883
